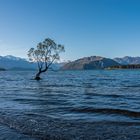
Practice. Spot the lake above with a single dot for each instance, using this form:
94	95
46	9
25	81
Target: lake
70	105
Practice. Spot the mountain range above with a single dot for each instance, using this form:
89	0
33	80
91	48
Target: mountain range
98	62
127	60
10	62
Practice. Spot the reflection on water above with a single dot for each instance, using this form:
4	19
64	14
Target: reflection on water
62	102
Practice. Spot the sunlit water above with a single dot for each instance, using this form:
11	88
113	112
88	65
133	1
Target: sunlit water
67	105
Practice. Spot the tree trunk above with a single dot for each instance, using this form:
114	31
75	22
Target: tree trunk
37	77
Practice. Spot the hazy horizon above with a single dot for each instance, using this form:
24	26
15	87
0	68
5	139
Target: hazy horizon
86	27
61	60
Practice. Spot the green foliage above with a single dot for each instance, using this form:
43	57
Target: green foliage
45	53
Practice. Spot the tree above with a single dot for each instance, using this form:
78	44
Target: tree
45	54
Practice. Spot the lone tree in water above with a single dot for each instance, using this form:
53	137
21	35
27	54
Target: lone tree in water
45	54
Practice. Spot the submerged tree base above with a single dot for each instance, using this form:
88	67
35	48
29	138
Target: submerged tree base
37	78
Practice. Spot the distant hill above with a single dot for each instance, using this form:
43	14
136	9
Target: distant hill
13	63
128	60
93	62
10	62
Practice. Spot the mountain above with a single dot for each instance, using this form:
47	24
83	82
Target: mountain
127	60
93	62
10	62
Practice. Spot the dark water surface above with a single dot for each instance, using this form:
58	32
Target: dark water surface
70	105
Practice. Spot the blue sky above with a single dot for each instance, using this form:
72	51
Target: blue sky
107	28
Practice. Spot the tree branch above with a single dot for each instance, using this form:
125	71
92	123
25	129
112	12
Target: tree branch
51	62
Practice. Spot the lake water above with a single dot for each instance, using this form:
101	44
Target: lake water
70	105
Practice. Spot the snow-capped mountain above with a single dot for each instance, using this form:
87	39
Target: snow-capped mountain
13	58
10	62
128	60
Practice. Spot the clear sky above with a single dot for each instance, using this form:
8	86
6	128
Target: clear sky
107	28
